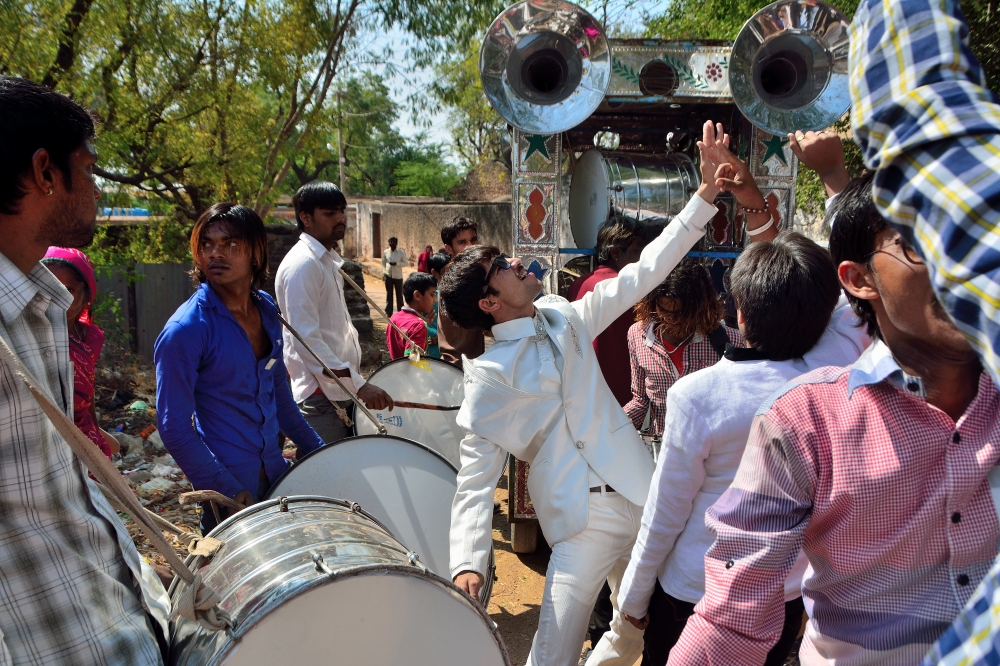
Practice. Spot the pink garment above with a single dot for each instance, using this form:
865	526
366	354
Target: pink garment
84	354
414	327
81	263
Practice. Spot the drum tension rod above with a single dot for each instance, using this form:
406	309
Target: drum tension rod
321	566
282	505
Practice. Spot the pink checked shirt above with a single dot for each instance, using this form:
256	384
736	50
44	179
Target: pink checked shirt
890	501
653	373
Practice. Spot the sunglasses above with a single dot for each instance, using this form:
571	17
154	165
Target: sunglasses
499	264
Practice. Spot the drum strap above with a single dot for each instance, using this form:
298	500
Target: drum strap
415	350
198	603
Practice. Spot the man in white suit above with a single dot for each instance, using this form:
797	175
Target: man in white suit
539	394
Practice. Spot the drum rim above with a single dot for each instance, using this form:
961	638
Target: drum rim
406	359
326	447
418	570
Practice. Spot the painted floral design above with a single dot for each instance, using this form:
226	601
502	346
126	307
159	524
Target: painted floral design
713	72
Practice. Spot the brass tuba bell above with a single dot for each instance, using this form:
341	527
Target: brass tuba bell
788	68
545	65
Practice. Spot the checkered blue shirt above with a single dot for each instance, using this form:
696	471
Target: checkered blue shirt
926	122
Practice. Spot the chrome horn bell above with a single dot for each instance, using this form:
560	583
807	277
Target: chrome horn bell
545	65
788	68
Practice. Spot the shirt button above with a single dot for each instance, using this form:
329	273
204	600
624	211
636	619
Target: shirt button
962	579
955	437
913	387
730	564
579	445
956	517
48	353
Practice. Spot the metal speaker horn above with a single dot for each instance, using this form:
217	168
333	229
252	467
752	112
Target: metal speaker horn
545	65
788	68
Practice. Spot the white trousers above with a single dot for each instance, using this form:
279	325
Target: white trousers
577	570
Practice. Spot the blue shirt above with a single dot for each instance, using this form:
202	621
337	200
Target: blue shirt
218	408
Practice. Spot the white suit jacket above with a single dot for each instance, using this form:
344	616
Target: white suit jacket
562	435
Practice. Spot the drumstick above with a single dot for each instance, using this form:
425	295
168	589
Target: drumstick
421	405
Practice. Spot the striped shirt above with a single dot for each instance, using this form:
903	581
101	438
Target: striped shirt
887	496
653	373
67	565
926	122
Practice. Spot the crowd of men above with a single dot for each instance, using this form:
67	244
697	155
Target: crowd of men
833	450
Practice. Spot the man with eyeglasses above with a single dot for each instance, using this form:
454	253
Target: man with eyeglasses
539	394
882	473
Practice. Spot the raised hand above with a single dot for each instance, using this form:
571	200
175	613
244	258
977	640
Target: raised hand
823	152
712	136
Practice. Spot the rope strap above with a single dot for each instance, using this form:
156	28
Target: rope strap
204	610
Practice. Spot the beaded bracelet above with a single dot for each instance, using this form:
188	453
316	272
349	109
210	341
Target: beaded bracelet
756	210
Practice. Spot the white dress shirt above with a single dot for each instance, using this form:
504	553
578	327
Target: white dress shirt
708	420
310	293
398	256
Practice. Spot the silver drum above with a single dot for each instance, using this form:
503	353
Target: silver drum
313	580
407	486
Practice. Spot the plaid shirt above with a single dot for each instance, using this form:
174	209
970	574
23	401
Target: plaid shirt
653	373
67	565
889	499
925	120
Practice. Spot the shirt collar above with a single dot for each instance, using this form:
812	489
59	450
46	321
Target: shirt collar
19	289
876	364
650	338
515	329
319	251
738	354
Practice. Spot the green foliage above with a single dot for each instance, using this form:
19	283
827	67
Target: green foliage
159	242
984	18
476	129
208	101
715	19
430	178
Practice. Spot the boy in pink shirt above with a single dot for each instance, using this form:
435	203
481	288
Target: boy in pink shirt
420	293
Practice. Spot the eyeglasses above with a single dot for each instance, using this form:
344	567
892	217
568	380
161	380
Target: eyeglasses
499	264
909	253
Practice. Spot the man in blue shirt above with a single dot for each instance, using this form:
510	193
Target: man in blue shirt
221	387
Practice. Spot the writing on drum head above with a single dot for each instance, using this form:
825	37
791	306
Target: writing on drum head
390	420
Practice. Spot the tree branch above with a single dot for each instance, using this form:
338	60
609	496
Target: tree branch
66	55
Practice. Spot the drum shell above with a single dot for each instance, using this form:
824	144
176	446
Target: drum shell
269	559
649	189
370	470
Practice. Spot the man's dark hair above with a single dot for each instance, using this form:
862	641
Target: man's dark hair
242	224
35	117
438	261
853	237
417	282
786	290
317	194
461	288
456	226
618	231
690	284
393	239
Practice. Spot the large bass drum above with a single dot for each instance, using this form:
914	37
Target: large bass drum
646	189
313	580
430	381
408	487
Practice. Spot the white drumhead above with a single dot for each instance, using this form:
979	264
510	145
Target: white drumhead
432	382
589	198
381	619
407	488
